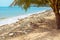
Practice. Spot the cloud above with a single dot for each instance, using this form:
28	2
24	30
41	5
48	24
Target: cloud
5	2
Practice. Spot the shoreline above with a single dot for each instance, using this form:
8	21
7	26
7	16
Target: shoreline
15	19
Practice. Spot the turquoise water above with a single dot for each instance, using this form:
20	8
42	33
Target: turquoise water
15	11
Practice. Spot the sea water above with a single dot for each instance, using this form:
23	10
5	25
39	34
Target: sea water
12	14
6	12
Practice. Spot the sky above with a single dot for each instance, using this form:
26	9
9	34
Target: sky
5	3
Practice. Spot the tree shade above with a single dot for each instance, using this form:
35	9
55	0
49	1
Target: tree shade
54	4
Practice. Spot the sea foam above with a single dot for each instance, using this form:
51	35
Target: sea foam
14	19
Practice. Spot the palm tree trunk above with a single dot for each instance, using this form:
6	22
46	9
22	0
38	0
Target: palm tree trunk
57	19
56	10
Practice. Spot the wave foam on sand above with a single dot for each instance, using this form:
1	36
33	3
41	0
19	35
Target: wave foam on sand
14	19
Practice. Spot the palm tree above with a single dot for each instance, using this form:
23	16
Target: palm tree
54	4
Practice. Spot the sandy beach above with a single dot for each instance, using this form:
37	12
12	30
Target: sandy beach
40	26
